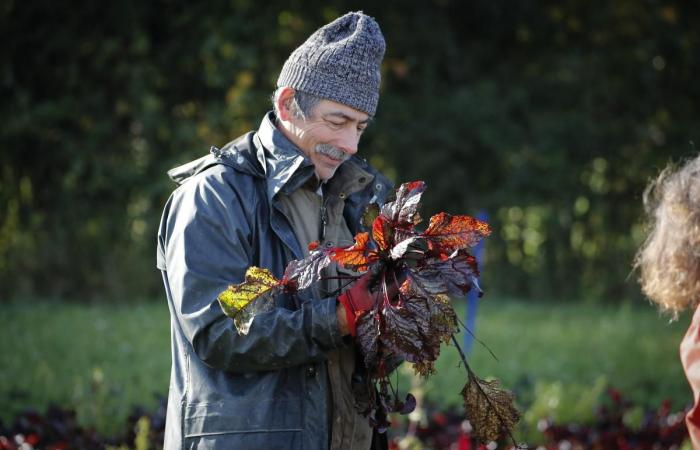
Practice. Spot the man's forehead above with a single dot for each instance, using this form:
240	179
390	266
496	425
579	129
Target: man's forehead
335	109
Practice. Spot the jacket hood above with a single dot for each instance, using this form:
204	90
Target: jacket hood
234	154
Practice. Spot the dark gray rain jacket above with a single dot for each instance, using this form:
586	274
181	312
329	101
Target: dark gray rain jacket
267	389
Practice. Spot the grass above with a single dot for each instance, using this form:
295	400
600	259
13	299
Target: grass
560	359
99	359
103	359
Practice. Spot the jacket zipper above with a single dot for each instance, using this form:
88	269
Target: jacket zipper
324	219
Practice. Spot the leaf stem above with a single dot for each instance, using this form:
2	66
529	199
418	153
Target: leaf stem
341	277
340	289
482	343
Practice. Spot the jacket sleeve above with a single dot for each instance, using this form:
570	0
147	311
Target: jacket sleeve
690	357
205	242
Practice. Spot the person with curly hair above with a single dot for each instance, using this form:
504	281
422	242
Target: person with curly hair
669	263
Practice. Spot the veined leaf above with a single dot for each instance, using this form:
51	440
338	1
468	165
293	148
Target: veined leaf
449	233
425	282
490	408
254	295
402	334
368	338
408	332
382	233
443	319
459	273
305	272
357	257
404	210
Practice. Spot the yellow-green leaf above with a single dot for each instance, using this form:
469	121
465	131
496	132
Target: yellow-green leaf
254	295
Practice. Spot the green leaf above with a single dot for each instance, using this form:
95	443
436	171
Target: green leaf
371	213
242	302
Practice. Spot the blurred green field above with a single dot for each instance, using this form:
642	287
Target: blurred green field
559	358
100	359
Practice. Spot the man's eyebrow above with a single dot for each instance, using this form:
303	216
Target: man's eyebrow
344	116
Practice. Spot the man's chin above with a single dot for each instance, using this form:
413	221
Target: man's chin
327	172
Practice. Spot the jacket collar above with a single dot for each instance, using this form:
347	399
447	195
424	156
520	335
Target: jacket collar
286	167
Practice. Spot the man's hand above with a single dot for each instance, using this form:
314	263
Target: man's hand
359	299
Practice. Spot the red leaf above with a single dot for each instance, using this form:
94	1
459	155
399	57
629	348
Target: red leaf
357	257
404	210
382	233
448	233
300	274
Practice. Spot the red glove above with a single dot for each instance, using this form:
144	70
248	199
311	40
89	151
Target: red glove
359	298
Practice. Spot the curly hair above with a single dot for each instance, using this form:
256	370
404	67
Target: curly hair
669	259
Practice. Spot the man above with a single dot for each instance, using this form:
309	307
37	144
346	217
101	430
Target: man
259	201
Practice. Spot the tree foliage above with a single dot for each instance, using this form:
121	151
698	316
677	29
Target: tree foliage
551	116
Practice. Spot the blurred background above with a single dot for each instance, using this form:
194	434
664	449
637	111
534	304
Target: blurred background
550	117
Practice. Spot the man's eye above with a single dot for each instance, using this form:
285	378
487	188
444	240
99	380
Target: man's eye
335	124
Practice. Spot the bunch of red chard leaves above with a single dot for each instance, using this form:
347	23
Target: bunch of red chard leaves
431	266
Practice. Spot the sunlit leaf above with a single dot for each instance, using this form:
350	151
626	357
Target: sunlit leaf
404	209
490	408
382	233
412	247
358	256
449	233
254	295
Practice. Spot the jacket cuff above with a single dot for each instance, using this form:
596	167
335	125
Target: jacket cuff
326	329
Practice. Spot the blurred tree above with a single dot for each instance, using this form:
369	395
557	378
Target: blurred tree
550	115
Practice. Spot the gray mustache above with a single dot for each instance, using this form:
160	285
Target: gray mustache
332	152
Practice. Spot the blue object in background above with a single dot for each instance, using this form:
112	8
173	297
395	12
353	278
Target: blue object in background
472	296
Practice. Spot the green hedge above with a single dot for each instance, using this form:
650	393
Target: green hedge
549	116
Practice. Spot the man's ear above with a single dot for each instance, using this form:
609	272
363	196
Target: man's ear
284	100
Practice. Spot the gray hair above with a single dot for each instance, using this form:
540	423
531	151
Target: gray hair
302	104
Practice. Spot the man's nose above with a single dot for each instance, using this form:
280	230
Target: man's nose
348	142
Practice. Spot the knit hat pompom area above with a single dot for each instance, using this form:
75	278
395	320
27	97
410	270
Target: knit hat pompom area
341	62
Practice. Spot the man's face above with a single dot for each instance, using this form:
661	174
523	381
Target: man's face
329	136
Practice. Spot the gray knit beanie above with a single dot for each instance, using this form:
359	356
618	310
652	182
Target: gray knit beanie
340	62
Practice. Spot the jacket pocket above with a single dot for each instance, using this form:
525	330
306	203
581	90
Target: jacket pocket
266	416
280	440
